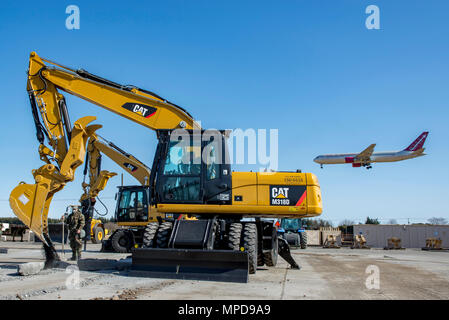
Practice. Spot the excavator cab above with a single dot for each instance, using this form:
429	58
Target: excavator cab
192	167
133	207
132	204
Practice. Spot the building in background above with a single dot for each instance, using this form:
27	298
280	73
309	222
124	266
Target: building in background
412	236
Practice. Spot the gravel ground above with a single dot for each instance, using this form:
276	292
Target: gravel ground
325	274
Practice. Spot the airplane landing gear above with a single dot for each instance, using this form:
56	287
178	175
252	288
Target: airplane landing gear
321	166
367	166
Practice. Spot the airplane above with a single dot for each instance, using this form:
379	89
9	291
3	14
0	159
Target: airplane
366	157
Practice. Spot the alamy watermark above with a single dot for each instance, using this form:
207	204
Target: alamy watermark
372	282
373	20
250	146
73	280
73	21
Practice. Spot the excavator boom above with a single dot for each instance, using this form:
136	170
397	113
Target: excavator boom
98	146
125	160
135	104
66	147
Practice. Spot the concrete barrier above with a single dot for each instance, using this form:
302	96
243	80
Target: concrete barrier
30	268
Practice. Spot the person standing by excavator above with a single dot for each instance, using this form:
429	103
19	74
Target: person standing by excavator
76	222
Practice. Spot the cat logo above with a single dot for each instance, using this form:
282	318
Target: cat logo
130	166
279	193
287	195
279	196
140	109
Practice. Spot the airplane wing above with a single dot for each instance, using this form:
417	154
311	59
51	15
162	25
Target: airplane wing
366	154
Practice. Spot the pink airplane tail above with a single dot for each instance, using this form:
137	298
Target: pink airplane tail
418	143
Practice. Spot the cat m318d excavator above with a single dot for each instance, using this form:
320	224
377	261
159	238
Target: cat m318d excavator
221	243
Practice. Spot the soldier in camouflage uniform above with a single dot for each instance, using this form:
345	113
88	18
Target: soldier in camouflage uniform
76	223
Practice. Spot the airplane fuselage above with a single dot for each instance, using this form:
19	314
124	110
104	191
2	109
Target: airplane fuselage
375	157
367	156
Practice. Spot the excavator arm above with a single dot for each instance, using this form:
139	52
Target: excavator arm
66	147
96	147
97	178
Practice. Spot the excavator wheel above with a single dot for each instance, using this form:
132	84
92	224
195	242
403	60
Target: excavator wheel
260	259
234	236
163	234
121	242
149	235
98	235
250	245
271	257
303	240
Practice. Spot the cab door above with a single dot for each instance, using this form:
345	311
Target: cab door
132	205
216	171
179	179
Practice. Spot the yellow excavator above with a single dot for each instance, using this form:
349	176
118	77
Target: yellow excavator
191	174
98	179
96	147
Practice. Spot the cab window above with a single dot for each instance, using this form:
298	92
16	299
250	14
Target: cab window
183	159
182	173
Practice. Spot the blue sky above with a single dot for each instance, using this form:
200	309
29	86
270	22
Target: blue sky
308	68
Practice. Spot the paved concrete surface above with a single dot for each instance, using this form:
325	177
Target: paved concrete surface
325	274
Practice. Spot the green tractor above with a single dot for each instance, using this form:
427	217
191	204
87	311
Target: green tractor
293	231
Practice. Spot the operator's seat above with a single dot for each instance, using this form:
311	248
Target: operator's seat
133	210
140	211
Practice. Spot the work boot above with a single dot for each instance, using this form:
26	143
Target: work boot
74	257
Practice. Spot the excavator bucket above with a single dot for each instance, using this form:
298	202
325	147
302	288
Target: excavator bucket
31	202
191	264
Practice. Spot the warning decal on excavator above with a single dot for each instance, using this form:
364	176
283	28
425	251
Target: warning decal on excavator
287	195
23	199
141	109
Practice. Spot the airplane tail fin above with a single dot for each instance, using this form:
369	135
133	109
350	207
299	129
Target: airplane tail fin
418	143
